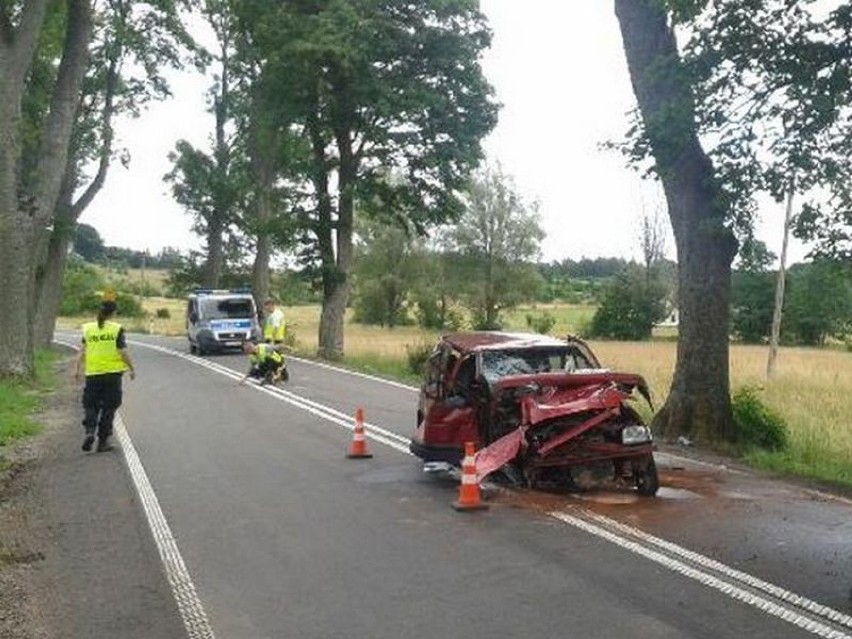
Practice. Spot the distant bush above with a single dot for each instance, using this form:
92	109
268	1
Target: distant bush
755	424
82	293
416	356
630	308
163	313
541	323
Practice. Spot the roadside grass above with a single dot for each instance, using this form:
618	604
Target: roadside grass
20	399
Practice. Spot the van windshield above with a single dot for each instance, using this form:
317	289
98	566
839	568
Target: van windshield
235	308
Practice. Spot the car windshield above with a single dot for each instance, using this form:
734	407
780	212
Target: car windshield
233	308
531	361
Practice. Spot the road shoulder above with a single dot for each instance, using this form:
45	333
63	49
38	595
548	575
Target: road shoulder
76	556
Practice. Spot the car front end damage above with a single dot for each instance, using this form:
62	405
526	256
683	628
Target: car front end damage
541	412
546	430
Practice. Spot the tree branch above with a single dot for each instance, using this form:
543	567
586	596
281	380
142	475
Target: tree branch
53	154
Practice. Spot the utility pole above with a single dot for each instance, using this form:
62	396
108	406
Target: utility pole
779	287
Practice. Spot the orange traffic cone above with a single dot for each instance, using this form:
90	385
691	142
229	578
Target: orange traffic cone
469	489
358	447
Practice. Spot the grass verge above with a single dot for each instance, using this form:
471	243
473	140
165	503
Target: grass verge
20	399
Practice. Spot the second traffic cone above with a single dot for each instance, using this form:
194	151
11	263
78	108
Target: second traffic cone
358	447
469	490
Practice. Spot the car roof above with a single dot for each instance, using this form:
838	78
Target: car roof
496	340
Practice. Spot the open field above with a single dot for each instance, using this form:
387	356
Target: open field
812	388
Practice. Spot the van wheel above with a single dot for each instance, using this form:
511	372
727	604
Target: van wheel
192	349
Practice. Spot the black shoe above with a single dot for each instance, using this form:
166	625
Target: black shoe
87	443
104	446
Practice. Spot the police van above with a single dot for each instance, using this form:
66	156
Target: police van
219	319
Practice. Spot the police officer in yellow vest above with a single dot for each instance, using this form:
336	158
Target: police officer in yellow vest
267	364
104	352
274	325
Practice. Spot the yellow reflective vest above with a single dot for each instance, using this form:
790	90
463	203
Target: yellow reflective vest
274	326
266	352
102	354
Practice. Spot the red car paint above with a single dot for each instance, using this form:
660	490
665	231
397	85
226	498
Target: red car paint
535	405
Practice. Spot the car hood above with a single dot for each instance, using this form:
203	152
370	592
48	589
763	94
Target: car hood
569	387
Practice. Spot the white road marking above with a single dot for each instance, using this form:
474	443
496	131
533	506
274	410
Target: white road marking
727	588
189	605
706	562
191	610
729	581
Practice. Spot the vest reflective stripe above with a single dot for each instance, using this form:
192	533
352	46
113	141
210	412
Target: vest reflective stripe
270	330
264	352
102	355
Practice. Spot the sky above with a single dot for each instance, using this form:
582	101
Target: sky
558	70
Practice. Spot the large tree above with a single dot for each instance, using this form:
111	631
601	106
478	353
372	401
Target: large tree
27	201
499	235
699	399
375	86
772	80
209	185
134	42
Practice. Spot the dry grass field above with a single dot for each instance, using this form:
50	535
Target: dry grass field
812	389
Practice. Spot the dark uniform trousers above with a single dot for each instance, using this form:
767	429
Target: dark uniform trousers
101	398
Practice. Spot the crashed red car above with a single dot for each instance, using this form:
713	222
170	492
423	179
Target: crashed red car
541	410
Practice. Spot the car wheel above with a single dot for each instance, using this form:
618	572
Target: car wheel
646	477
192	349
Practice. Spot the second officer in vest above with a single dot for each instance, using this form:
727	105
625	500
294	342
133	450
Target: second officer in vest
104	353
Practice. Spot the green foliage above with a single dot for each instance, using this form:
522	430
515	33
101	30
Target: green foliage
756	425
752	302
80	285
819	303
88	243
82	292
21	398
541	323
416	356
163	313
496	240
771	80
381	302
633	303
386	272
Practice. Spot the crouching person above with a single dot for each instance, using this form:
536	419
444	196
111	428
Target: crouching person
267	364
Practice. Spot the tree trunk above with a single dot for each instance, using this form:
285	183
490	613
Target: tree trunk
336	290
699	402
263	251
49	279
216	253
217	223
24	218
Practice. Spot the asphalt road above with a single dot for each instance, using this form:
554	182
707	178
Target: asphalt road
282	536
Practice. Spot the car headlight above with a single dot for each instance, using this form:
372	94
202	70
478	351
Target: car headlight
635	435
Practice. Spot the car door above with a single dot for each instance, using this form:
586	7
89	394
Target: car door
449	412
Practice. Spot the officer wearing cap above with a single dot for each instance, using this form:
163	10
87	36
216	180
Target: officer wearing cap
104	352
